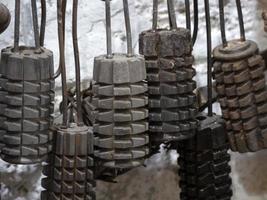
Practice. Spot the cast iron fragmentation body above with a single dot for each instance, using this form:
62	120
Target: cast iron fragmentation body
4	17
172	103
26	104
69	171
240	82
121	138
204	162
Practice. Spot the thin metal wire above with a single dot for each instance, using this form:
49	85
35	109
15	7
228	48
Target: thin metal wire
64	5
43	22
188	15
108	29
240	20
62	65
77	62
155	15
17	25
128	28
222	23
195	31
35	24
209	58
172	15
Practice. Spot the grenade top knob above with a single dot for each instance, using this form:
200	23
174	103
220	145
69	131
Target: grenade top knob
4	17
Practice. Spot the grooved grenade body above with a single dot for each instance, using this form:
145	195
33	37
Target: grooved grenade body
121	139
27	96
172	103
204	162
69	172
240	84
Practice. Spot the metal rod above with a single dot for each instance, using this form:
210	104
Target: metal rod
64	5
195	31
188	15
209	59
35	24
43	22
128	28
17	26
240	20
108	29
172	16
222	23
155	15
77	62
62	65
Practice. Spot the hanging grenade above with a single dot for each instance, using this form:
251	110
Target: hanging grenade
240	83
27	95
71	160
4	18
204	162
172	103
121	139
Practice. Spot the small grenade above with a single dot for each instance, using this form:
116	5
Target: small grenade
70	168
121	125
172	103
27	98
4	18
238	70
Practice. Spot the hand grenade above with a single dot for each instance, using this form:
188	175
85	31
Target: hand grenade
27	96
4	17
121	139
168	57
69	171
239	73
203	160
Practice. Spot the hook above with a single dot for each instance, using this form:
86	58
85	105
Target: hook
77	62
60	20
128	28
209	58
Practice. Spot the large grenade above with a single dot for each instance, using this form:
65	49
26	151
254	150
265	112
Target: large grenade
69	170
204	160
172	103
240	82
27	95
121	139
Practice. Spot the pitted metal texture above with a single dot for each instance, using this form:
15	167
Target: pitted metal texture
26	104
204	162
240	85
172	103
69	171
121	124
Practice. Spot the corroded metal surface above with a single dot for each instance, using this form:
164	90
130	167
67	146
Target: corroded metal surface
170	84
240	84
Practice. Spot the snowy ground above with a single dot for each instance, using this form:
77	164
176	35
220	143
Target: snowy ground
159	179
